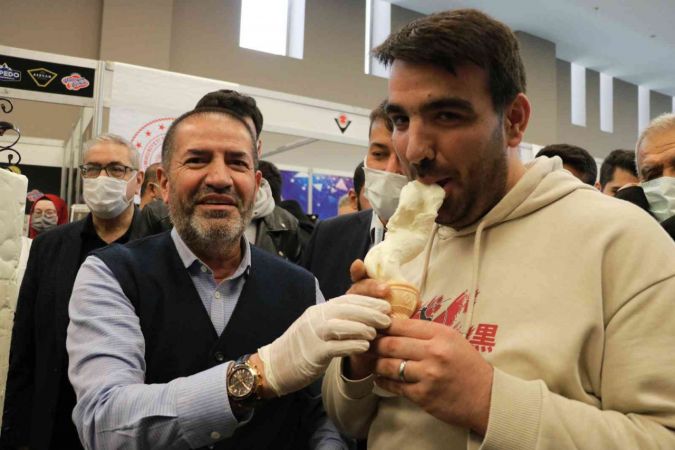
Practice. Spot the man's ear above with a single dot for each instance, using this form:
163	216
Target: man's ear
139	179
163	180
155	191
353	199
259	148
258	180
516	118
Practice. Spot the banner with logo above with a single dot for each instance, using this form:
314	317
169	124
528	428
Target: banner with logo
43	76
144	88
145	130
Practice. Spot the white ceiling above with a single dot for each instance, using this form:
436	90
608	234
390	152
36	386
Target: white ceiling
341	159
629	39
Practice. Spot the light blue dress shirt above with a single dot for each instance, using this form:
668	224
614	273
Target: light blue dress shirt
106	348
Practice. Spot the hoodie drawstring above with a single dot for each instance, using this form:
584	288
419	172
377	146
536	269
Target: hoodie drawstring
468	317
427	257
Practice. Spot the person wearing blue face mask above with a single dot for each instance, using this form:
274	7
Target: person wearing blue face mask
337	242
40	399
655	161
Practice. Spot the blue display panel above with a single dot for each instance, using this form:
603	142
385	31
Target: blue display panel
295	186
326	193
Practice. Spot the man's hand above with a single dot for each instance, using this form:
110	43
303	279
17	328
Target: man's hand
340	327
444	374
361	365
364	285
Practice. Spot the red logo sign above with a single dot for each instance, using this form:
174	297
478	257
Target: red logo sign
75	82
34	195
343	122
149	138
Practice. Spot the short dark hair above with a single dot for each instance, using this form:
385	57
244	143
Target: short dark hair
271	173
149	176
452	38
242	104
380	113
576	157
617	159
169	139
359	178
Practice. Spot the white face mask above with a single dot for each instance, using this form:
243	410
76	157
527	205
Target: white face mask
660	193
383	190
264	202
106	196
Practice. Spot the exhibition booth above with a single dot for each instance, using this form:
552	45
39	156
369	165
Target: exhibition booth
59	102
316	144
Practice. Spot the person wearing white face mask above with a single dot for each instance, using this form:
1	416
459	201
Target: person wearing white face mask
40	398
655	161
272	228
338	241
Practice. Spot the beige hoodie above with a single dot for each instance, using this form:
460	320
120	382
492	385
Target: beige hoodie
570	295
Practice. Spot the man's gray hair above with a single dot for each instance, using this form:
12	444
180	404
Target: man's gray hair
662	123
113	139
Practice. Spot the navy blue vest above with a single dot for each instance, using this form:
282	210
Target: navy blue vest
180	339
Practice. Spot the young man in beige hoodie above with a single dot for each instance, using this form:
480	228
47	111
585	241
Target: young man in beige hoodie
547	318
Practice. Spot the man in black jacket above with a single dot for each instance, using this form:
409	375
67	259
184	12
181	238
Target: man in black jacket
39	398
338	241
273	228
616	171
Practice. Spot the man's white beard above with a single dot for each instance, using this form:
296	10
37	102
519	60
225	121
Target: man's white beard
204	235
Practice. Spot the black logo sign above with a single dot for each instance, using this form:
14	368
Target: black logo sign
9	74
42	76
343	123
34	75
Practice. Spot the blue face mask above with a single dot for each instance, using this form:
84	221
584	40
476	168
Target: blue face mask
660	193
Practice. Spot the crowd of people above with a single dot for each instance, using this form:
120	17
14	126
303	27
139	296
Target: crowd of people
216	314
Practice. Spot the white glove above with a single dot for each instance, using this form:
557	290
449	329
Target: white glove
339	327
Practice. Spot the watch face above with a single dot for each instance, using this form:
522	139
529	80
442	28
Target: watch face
241	383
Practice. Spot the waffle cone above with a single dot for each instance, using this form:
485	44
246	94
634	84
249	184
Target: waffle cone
404	299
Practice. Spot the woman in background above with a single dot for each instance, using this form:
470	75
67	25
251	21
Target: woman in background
47	212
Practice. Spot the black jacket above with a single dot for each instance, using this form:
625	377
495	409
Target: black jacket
155	218
279	233
38	360
334	246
